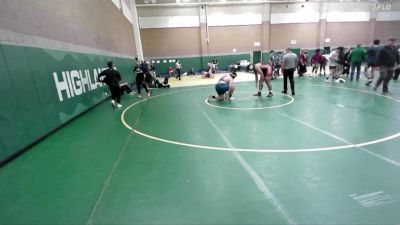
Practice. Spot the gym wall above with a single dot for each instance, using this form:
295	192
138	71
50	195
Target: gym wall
161	42
50	54
74	25
223	39
273	26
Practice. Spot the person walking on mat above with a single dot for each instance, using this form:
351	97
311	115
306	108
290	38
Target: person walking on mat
386	58
112	77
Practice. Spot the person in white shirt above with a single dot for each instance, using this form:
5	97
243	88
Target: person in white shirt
178	67
333	62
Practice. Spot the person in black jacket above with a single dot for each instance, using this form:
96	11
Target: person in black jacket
341	62
371	61
111	77
140	81
386	58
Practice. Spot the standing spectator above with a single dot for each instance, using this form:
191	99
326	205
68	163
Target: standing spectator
170	71
387	58
316	62
333	61
214	63
322	66
272	58
178	67
153	70
356	57
277	64
112	77
371	61
302	67
140	81
346	66
397	70
289	62
144	66
341	62
307	58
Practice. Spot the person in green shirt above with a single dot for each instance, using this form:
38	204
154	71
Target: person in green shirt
356	57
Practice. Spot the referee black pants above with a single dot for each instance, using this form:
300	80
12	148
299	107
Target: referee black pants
288	73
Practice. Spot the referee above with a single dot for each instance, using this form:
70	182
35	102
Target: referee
289	64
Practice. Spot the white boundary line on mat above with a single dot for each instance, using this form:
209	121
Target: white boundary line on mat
331	148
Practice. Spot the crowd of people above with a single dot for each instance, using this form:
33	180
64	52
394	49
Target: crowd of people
145	78
343	64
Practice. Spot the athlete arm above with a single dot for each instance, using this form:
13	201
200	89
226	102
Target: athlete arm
101	77
256	77
231	85
269	70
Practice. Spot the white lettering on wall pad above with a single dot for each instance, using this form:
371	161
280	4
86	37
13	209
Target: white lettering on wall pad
76	82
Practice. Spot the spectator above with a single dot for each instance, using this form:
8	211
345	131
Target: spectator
170	71
178	67
356	57
316	62
302	67
371	61
387	58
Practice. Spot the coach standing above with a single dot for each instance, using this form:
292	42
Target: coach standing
386	59
289	61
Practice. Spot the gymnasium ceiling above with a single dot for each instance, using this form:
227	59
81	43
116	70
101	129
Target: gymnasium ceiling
150	2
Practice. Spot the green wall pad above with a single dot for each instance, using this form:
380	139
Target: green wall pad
44	88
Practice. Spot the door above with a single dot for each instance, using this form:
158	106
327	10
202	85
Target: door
256	57
296	51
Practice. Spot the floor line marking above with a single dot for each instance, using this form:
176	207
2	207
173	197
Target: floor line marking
252	108
268	194
107	181
395	163
116	163
374	199
353	89
372	142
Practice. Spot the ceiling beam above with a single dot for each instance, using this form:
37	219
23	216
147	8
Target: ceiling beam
218	3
